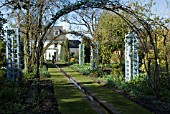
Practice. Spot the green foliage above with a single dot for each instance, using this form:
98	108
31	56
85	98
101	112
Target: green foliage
2	22
2	44
28	75
96	73
23	98
43	73
118	69
2	73
87	42
110	35
65	53
158	69
84	69
105	65
139	88
2	54
10	94
114	81
22	53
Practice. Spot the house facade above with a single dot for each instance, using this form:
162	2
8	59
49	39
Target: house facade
54	50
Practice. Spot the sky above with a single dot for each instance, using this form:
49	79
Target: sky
162	8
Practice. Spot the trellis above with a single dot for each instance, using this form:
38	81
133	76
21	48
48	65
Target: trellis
12	53
81	54
94	55
131	57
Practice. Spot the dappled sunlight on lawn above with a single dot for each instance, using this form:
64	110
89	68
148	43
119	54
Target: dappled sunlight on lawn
118	101
69	98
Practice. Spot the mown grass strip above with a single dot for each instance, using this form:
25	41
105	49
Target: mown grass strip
69	99
121	103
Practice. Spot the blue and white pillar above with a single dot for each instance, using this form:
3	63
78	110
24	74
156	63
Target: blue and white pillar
131	57
81	54
12	53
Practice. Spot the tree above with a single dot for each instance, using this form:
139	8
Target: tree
2	55
84	21
2	43
31	17
87	43
110	35
65	53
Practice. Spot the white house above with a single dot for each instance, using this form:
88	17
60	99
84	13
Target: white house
55	48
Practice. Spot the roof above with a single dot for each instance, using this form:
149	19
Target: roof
74	43
51	33
55	30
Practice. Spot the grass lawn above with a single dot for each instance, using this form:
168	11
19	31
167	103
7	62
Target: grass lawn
122	104
69	99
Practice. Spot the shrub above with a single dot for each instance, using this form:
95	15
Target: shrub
84	69
139	87
2	73
44	72
117	69
115	81
28	75
97	73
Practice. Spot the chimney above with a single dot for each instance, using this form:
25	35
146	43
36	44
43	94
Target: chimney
64	25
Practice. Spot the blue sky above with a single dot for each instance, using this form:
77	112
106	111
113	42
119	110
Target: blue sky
162	8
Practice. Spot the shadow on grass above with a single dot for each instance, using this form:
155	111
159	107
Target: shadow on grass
86	82
76	106
122	104
70	100
50	65
54	75
62	65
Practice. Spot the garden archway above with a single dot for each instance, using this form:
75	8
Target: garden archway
116	7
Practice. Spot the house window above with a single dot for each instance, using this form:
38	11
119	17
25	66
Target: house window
56	32
72	54
55	44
